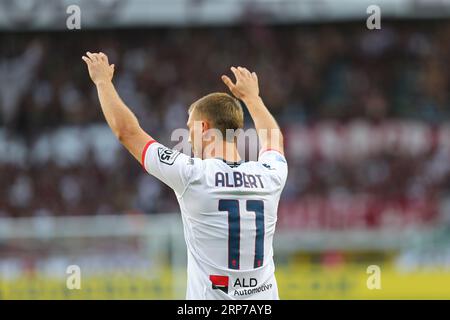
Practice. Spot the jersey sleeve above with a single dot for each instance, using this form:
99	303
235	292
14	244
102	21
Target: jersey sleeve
170	166
276	163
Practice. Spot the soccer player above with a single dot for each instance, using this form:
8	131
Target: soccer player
228	207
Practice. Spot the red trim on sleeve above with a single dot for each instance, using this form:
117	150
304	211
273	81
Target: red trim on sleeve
265	150
144	151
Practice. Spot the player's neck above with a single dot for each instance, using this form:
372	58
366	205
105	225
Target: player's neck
225	150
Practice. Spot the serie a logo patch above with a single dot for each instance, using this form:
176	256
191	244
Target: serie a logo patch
167	155
219	282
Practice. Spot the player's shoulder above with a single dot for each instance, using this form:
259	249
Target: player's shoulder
272	156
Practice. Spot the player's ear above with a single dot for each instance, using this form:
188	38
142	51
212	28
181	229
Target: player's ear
205	126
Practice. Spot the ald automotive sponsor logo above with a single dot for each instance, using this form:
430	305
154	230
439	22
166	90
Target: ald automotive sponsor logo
243	286
219	282
249	286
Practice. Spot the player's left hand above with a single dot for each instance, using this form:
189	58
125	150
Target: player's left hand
99	68
246	85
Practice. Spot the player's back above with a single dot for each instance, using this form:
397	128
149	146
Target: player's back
229	214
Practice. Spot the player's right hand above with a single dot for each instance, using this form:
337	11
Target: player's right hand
99	68
246	85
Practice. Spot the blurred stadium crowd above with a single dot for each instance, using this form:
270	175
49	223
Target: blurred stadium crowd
365	114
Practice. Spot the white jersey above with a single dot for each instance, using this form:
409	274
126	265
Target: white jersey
229	212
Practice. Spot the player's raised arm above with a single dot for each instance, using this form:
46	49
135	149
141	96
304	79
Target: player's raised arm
246	89
119	117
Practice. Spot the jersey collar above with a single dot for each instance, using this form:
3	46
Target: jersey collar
231	163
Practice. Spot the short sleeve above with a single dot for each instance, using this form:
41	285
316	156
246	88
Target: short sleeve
170	166
276	163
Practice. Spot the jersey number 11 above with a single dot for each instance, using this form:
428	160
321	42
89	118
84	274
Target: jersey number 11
234	229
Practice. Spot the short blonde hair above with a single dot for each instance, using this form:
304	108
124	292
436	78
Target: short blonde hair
221	109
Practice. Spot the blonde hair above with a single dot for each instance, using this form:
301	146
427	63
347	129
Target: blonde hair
221	109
